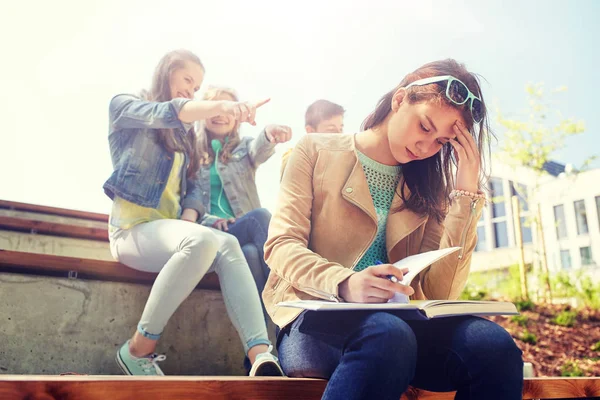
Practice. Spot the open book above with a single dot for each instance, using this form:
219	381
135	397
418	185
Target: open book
416	309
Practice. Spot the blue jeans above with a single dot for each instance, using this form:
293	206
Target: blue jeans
251	231
376	355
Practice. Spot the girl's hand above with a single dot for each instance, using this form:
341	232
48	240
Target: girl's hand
467	156
371	285
243	111
223	224
189	214
278	133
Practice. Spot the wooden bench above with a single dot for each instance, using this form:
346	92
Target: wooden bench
33	387
62	212
47	264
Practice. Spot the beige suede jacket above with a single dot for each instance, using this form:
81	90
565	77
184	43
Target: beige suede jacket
325	221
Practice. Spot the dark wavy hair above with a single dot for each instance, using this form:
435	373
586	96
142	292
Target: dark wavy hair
430	180
160	91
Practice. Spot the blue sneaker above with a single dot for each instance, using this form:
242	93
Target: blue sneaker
131	365
266	364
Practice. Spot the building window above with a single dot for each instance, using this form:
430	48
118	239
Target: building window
586	255
581	217
520	191
498	200
560	222
499	213
526	230
481	239
565	259
500	234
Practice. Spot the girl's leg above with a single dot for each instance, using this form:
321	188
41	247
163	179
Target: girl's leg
252	229
255	262
241	296
471	355
181	253
364	355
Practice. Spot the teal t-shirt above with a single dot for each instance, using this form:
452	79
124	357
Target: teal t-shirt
382	180
219	204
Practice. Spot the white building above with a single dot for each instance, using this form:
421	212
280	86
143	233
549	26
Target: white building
570	210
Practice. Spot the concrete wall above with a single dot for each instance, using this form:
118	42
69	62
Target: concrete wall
54	325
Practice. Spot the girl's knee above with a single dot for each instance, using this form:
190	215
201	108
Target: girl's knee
202	241
396	335
262	215
494	343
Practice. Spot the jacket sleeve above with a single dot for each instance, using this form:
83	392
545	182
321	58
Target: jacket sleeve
286	249
193	198
260	149
446	278
130	112
284	160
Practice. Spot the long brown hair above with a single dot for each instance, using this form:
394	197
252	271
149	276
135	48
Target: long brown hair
205	150
160	91
431	180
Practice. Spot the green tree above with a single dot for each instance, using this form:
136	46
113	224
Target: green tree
530	141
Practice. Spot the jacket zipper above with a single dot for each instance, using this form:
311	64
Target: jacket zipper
464	233
370	241
321	294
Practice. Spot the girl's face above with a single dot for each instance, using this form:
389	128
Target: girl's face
221	125
419	131
186	81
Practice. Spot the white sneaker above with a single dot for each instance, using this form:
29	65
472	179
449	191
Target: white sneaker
266	364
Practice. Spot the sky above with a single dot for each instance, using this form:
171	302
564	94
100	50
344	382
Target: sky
62	61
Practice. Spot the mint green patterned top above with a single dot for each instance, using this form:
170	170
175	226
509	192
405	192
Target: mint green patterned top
382	180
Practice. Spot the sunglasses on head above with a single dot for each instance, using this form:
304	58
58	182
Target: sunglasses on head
457	92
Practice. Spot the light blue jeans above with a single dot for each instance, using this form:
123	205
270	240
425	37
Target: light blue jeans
182	253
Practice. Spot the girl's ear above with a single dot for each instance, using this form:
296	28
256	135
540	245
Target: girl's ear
398	98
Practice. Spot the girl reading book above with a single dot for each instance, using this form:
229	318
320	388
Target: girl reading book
385	193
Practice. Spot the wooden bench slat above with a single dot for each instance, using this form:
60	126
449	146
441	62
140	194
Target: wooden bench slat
18	261
52	228
13	387
14	205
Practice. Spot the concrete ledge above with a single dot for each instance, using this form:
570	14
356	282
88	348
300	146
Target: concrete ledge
54	325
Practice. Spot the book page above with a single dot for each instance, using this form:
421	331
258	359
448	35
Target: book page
415	265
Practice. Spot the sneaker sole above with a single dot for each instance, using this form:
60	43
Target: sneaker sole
268	369
121	364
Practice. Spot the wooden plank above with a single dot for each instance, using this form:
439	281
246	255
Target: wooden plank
559	388
17	261
52	228
21	387
13	205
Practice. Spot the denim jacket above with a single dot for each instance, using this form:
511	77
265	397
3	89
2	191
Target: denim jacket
141	165
238	176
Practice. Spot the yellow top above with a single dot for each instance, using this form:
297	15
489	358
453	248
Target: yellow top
126	215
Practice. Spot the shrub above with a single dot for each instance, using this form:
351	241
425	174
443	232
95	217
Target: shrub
529	337
524	305
565	318
520	320
570	368
596	346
